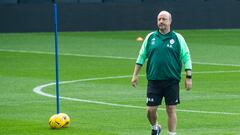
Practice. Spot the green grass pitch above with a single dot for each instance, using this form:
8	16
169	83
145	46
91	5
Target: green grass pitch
99	105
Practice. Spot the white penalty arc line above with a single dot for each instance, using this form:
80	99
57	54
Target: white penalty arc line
108	57
39	91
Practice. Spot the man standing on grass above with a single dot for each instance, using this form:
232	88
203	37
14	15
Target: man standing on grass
165	50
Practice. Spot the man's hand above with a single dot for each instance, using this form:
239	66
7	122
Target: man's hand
188	84
134	80
135	75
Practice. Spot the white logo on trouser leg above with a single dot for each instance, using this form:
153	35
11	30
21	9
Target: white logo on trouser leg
150	100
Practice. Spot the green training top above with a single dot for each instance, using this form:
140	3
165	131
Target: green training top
165	54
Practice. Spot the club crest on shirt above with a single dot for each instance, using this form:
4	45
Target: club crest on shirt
172	41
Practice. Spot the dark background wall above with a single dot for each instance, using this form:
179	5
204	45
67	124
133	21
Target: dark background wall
95	15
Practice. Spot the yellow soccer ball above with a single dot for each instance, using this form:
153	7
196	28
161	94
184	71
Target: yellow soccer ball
66	118
56	121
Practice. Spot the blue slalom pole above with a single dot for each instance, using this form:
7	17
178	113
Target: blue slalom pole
56	54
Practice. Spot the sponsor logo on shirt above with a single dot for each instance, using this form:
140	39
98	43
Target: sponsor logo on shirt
153	41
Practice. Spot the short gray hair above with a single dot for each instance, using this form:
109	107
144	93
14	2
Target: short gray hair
169	14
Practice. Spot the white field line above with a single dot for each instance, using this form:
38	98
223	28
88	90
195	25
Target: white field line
39	91
68	54
108	57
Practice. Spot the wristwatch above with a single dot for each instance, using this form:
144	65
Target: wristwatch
189	76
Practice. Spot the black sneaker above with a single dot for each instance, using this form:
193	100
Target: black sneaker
156	132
